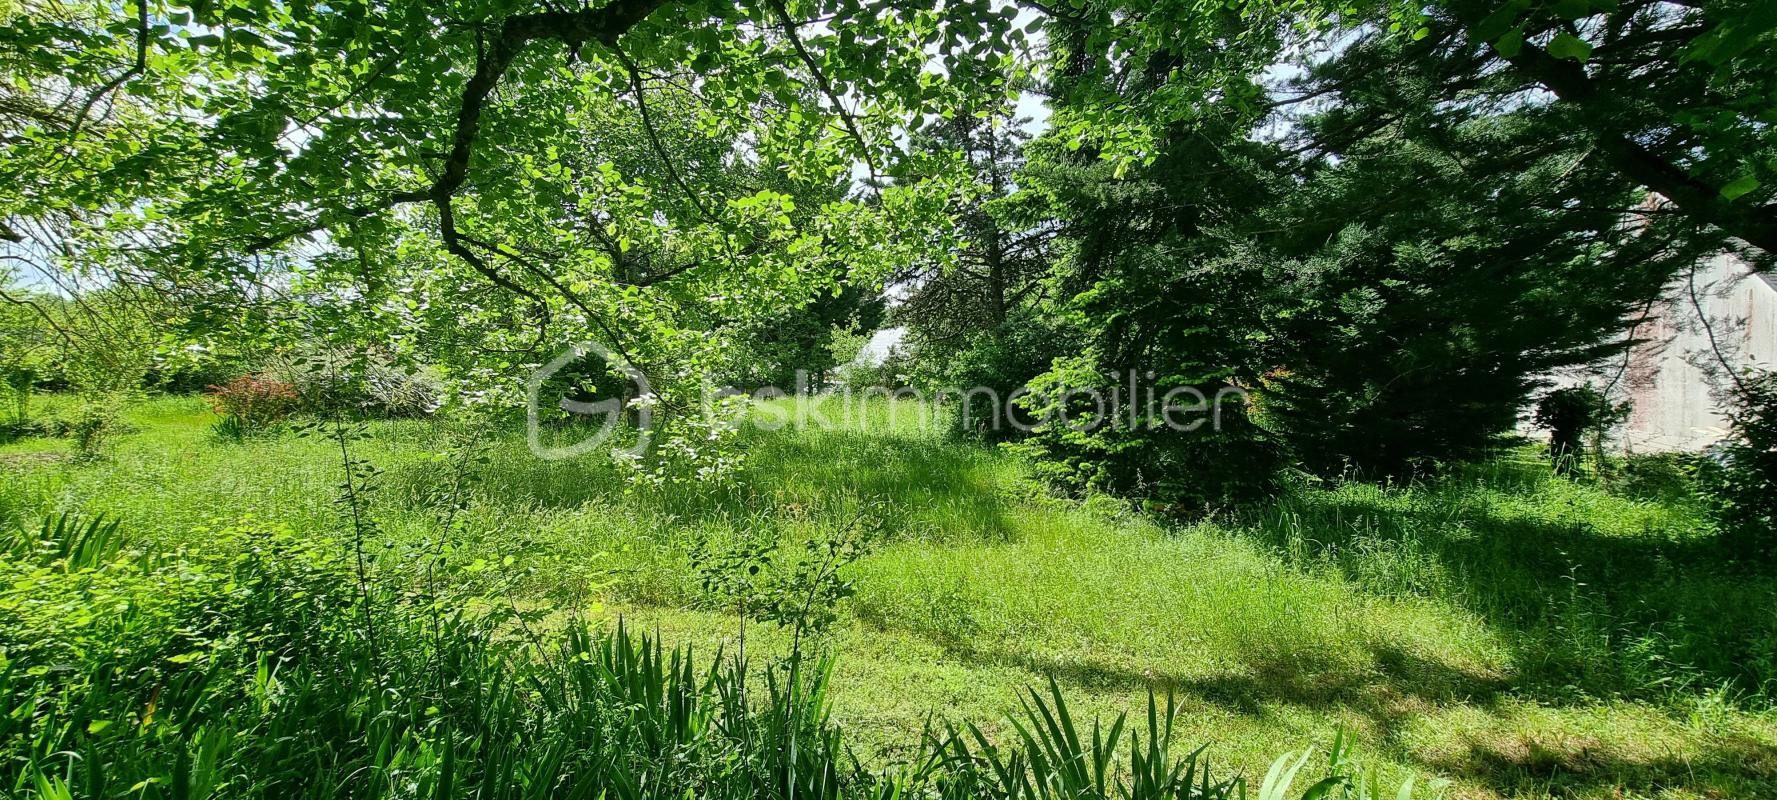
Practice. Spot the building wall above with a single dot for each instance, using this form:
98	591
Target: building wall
1674	377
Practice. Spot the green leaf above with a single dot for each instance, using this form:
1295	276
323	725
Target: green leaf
1739	187
1496	24
1567	45
1510	43
97	726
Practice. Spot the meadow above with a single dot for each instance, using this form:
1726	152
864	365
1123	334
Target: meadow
1493	632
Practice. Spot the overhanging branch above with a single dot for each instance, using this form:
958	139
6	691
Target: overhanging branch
1756	225
573	28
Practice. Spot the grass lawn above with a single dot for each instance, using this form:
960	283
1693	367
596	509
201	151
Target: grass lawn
1507	633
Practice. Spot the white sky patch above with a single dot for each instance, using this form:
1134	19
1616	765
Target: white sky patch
881	343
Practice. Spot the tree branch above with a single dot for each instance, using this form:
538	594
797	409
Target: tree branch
845	116
1757	225
592	316
635	82
140	66
604	25
357	212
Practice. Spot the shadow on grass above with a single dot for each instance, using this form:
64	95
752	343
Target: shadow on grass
1735	765
1300	679
1591	613
1399	690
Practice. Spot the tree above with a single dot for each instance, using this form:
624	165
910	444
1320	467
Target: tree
1674	96
1388	255
378	147
773	350
1144	275
1005	251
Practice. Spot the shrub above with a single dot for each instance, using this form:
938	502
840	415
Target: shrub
1020	349
92	422
1661	477
11	431
16	383
252	403
1218	459
339	380
1569	415
1741	481
400	392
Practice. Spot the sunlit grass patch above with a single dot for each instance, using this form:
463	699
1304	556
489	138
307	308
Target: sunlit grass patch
1513	632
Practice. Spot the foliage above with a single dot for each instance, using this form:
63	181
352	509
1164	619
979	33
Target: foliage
1570	414
978	322
93	421
253	403
1023	347
112	339
1246	248
1512	609
239	678
1362	235
845	348
1053	758
1182	455
1005	247
529	156
757	580
1668	98
1741	477
803	348
268	683
25	345
403	392
330	380
17	385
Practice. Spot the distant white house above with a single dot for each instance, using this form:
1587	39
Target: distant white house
881	344
1722	318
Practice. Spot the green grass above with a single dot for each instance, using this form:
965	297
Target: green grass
1510	633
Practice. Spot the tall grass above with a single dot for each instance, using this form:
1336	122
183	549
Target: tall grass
286	695
1510	631
1605	595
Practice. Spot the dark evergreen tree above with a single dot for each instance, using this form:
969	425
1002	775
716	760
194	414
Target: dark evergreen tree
978	317
1390	278
1006	252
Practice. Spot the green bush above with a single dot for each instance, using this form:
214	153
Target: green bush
330	380
1216	459
1569	415
1021	348
16	385
1661	477
1742	480
11	431
92	422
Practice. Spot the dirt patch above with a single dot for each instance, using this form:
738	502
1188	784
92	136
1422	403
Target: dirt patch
31	459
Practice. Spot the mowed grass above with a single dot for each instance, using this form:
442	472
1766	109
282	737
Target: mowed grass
1508	633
